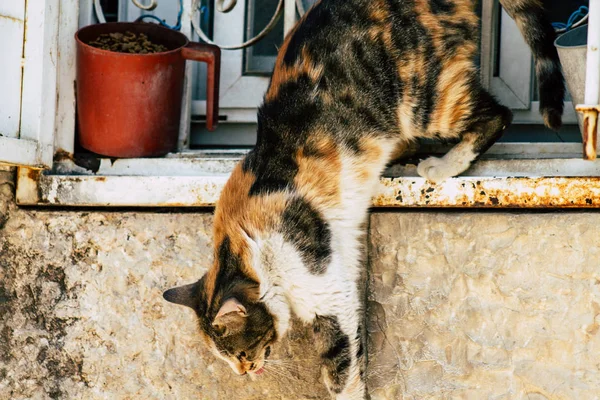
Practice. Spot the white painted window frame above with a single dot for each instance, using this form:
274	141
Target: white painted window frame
34	107
240	94
195	178
12	28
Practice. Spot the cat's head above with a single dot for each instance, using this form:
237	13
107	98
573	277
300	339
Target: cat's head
240	314
234	323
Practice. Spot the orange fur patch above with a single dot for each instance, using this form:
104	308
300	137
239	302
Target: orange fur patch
403	149
370	153
237	214
382	26
430	22
283	73
304	65
319	172
453	101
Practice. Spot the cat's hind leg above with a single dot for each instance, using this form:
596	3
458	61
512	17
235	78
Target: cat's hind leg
483	128
342	358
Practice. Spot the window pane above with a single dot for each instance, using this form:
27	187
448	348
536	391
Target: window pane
260	58
111	10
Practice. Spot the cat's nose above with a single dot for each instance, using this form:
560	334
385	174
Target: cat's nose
240	370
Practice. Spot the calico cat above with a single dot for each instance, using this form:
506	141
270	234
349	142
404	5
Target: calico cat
355	82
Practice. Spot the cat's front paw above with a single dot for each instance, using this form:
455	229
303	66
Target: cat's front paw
435	169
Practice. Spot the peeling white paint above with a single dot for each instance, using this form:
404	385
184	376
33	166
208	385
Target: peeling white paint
203	191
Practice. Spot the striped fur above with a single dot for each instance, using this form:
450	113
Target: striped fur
355	83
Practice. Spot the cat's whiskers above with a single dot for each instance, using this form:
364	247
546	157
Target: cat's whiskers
282	361
290	361
291	369
301	367
276	374
286	364
281	371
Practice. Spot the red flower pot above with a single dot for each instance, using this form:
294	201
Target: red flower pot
129	105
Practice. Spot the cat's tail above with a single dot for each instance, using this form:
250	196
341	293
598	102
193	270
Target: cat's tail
539	35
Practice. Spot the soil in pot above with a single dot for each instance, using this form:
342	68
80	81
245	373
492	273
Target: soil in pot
127	42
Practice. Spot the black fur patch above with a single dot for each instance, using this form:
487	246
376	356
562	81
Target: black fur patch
229	275
353	144
441	6
361	358
489	122
360	351
456	34
306	229
361	83
410	37
283	126
334	347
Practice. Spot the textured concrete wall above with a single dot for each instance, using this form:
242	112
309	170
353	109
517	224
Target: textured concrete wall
82	314
462	306
485	306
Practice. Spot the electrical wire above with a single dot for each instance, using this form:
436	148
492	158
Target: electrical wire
573	22
175	27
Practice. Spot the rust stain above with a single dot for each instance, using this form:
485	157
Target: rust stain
586	124
590	130
62	155
589	136
13	19
491	193
33	174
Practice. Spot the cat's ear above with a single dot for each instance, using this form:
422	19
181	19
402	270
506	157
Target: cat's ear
187	295
230	318
231	305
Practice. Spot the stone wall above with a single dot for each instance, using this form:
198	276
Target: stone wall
82	314
461	306
485	305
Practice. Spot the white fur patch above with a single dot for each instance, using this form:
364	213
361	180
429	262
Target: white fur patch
455	162
265	255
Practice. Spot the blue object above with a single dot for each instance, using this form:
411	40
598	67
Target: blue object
176	27
575	16
204	14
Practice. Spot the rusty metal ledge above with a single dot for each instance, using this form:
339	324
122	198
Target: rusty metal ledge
490	192
35	188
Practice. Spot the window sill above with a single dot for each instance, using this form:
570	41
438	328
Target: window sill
193	180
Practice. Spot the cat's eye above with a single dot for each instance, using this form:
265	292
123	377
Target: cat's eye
267	351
